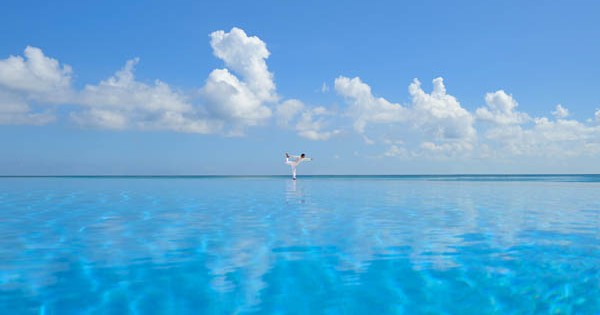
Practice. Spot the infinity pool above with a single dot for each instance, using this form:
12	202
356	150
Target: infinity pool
320	245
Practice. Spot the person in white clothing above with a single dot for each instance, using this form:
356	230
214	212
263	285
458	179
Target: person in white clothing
294	160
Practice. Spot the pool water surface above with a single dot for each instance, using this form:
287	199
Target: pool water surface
318	245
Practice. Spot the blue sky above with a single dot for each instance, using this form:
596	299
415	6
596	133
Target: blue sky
192	87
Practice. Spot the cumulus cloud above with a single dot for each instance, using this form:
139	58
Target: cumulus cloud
101	118
397	151
440	114
311	124
121	91
241	101
15	111
228	103
122	102
29	80
501	109
233	98
365	107
514	133
560	112
247	56
446	148
41	76
287	111
243	94
442	127
437	116
545	137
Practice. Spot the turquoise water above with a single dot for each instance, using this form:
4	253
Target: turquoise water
320	245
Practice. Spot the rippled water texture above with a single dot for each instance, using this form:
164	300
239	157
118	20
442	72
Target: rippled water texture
321	245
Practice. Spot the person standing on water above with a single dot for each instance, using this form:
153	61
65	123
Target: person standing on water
294	160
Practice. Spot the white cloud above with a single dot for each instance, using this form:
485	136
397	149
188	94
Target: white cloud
501	109
366	108
560	112
240	102
121	102
440	114
311	124
287	111
447	148
37	74
546	138
122	92
228	104
246	55
510	136
437	116
368	140
15	111
31	79
230	100
243	94
562	130
101	118
446	129
308	122
397	151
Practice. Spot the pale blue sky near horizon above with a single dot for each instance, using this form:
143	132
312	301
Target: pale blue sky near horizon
322	55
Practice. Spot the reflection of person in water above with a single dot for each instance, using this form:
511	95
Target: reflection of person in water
294	160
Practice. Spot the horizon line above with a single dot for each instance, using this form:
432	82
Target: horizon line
307	175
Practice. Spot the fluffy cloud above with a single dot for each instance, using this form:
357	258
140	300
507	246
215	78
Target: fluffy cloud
121	102
397	151
243	94
440	114
41	76
247	56
560	112
446	148
365	107
309	123
32	79
287	111
515	133
312	122
121	91
437	116
556	139
228	104
15	111
232	98
443	128
544	137
241	101
501	109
